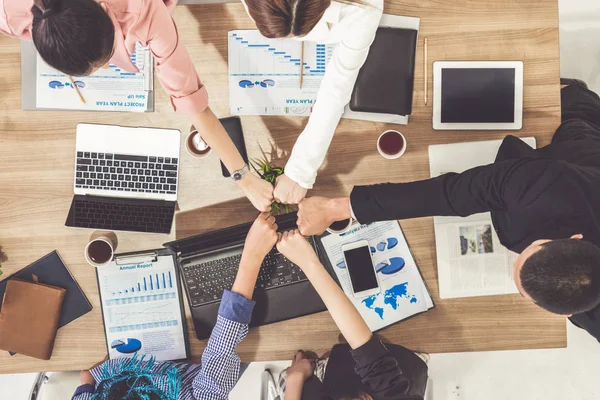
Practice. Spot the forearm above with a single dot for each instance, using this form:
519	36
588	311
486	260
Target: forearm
293	388
212	131
343	312
245	280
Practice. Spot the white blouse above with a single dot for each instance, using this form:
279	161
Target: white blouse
353	27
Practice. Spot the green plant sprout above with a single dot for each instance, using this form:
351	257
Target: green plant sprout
270	173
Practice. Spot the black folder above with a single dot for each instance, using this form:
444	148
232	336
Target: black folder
386	80
51	270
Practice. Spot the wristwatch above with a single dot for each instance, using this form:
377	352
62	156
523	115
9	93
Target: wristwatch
239	174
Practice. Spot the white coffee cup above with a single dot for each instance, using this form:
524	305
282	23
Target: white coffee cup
99	252
345	229
397	154
201	148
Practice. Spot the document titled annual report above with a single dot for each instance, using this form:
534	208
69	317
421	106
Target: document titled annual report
142	307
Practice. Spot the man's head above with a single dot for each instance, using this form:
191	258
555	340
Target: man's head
562	276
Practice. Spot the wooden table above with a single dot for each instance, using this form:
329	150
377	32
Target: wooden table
36	178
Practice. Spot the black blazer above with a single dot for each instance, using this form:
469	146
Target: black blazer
549	193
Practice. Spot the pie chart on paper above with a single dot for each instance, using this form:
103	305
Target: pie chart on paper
126	346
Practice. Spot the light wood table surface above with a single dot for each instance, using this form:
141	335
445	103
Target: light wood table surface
36	178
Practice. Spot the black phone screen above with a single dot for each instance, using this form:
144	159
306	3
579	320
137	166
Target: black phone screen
360	268
233	126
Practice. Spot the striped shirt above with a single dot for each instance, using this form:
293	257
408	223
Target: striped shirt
219	370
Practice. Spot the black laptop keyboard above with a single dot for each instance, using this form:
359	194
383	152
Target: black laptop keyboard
122	216
126	173
206	281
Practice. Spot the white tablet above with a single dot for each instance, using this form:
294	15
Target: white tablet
478	95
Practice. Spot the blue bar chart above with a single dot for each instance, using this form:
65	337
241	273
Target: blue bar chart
142	288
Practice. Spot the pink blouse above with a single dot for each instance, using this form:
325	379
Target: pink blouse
146	21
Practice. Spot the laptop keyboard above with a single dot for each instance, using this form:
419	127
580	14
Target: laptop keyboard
121	216
206	281
126	173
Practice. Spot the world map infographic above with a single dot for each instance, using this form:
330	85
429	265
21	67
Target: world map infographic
392	297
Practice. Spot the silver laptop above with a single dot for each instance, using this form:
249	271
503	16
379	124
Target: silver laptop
126	179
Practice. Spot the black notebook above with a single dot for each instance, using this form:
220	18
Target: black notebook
51	270
386	80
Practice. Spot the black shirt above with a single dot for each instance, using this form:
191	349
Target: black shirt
384	371
549	193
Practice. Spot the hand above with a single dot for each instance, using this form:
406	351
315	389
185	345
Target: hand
86	378
261	239
287	191
315	214
259	192
297	249
302	368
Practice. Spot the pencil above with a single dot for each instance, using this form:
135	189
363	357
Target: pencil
301	64
77	89
425	64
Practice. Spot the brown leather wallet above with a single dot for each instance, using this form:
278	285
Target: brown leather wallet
29	318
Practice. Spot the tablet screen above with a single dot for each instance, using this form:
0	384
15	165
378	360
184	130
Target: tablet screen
478	95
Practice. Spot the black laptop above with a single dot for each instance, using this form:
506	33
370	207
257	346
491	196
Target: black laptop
209	263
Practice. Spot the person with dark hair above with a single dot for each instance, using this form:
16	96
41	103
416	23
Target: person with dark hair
352	24
364	368
77	37
544	205
142	378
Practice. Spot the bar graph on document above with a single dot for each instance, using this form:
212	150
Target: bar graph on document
264	74
140	288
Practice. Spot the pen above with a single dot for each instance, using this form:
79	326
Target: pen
301	64
76	89
425	56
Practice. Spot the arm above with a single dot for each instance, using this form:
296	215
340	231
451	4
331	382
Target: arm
220	362
377	369
178	76
359	28
495	187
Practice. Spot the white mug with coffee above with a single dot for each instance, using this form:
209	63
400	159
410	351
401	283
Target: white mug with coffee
195	145
99	252
391	144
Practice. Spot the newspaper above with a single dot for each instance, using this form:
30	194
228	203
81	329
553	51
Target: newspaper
471	261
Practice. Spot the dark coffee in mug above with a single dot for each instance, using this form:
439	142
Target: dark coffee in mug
193	147
100	252
391	143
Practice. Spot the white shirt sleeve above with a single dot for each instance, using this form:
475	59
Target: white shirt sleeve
359	24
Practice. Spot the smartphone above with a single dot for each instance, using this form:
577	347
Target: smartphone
233	126
359	264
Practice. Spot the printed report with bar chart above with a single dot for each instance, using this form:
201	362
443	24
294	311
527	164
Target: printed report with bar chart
264	74
142	309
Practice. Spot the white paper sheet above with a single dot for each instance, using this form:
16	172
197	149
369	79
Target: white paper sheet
403	292
471	261
108	89
264	74
141	308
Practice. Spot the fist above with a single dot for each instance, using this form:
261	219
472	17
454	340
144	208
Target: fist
297	249
314	216
302	368
261	237
259	192
287	191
